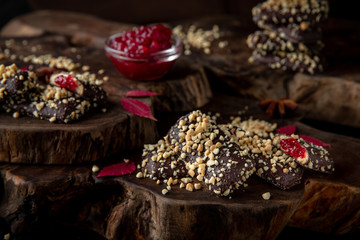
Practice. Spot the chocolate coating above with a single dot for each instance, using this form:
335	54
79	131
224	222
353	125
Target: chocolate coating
23	93
195	145
276	175
319	158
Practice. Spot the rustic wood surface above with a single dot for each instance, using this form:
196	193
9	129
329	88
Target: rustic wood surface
336	87
35	198
131	208
230	64
99	135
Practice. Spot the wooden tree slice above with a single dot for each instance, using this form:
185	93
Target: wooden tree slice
132	208
97	136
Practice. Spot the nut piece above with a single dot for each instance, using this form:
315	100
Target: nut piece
7	236
139	175
197	186
95	169
266	196
164	191
190	187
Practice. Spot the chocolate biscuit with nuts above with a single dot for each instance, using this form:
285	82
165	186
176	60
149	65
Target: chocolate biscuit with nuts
208	147
293	61
60	111
17	84
196	146
318	158
275	13
295	34
22	93
281	171
272	165
161	161
272	41
80	87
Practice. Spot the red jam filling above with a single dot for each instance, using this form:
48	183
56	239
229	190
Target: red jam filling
141	43
66	81
292	147
144	40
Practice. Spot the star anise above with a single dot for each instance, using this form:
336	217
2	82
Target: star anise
281	106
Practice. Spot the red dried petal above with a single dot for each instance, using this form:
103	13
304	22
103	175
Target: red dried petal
137	107
288	130
117	169
24	68
315	141
139	93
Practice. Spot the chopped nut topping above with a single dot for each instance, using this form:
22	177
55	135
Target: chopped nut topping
95	168
266	196
139	175
190	187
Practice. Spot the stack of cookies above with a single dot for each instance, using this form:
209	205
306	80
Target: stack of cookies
290	38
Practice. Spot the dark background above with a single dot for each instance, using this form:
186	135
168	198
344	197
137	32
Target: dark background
145	11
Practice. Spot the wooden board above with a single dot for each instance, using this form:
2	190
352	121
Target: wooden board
131	208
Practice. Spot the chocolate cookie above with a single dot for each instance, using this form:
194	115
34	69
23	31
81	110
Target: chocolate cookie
229	168
272	41
293	61
275	13
271	163
61	111
17	84
74	83
23	94
199	152
207	152
157	166
319	159
281	171
295	34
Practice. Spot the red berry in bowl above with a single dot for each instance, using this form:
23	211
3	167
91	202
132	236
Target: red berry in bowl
146	53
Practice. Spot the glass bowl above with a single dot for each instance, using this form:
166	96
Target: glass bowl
149	66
